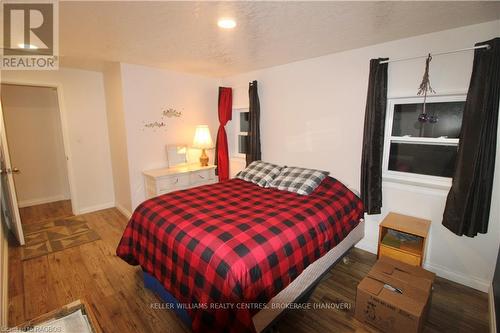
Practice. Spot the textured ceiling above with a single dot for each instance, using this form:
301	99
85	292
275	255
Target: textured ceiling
184	36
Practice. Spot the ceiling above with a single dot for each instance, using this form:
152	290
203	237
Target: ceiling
184	36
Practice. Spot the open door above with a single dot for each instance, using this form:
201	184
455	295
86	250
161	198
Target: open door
9	208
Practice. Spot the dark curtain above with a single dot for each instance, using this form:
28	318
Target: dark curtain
221	149
253	147
468	204
373	137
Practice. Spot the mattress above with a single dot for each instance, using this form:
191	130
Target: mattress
235	243
306	279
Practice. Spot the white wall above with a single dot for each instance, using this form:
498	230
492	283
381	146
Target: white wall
36	146
85	127
312	115
117	137
146	91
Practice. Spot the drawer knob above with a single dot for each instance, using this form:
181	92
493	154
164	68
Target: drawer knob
176	180
201	176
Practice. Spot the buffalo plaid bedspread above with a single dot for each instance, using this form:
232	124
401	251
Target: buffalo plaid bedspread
235	243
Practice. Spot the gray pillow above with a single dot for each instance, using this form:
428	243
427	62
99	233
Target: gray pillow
299	180
260	173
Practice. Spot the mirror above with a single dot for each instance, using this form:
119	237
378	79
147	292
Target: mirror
176	155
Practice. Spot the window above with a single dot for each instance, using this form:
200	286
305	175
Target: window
423	151
237	131
243	132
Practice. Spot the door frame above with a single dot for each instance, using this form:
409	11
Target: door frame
15	218
64	130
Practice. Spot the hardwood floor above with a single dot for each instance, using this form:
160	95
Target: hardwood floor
454	307
38	213
93	272
116	294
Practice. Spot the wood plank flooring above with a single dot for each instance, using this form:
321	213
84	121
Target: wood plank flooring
116	294
454	307
38	213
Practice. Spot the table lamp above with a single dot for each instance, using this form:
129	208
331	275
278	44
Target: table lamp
203	140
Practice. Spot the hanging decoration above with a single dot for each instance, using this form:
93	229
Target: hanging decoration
424	89
171	113
165	113
154	124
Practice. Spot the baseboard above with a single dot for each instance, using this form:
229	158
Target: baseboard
40	201
123	210
469	281
493	319
445	272
365	246
94	208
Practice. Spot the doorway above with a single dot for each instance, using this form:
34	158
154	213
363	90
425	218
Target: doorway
38	160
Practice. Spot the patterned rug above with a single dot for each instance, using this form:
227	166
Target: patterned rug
55	235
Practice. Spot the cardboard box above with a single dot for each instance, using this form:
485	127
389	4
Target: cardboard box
402	308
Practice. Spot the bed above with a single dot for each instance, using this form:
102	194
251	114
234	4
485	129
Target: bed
226	251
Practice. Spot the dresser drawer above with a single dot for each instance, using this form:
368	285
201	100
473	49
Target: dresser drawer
165	180
403	256
165	184
201	176
171	190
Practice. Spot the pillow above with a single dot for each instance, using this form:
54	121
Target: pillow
299	180
260	173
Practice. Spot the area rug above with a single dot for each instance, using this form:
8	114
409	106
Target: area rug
55	235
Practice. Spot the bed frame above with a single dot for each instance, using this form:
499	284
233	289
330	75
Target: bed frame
299	291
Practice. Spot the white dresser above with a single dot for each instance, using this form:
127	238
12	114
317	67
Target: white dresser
161	181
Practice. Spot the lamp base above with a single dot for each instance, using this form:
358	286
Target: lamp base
203	158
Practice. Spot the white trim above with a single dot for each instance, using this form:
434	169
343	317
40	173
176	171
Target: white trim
415	179
407	177
233	130
94	208
467	280
15	219
367	246
40	201
441	94
64	129
493	318
424	141
4	280
123	210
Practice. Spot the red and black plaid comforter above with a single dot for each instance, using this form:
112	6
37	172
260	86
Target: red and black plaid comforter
235	242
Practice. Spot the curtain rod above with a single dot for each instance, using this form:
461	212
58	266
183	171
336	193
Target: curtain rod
485	46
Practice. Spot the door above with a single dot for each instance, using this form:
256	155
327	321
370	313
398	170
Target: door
9	208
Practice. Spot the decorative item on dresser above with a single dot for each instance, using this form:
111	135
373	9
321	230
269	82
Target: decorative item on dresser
203	140
161	181
176	155
403	238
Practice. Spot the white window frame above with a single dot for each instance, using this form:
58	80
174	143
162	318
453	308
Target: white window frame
408	177
234	130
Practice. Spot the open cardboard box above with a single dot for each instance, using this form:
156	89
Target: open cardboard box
394	296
